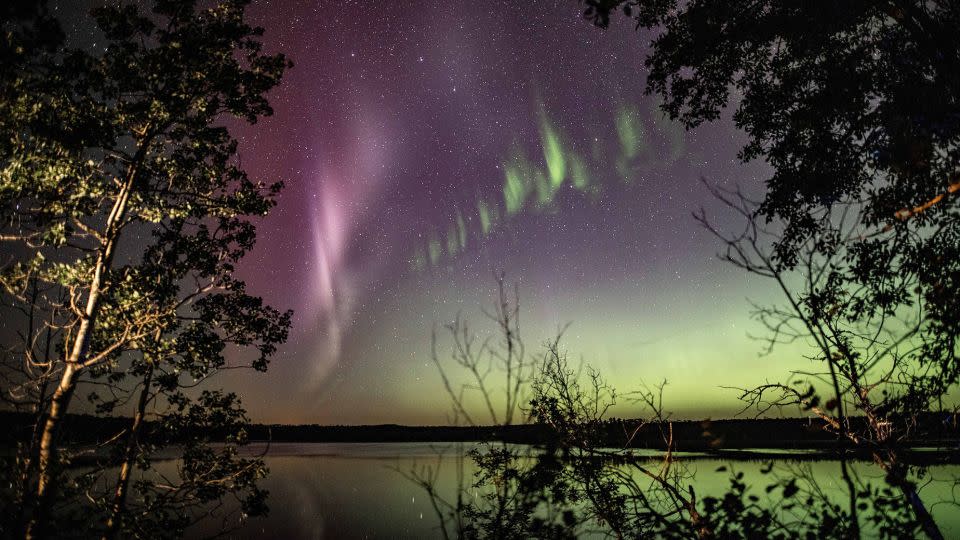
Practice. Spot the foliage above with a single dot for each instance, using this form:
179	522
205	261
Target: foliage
855	107
206	473
123	213
578	483
624	494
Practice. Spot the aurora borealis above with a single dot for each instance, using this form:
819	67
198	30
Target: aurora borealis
426	145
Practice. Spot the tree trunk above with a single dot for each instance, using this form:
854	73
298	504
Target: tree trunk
129	455
60	401
48	452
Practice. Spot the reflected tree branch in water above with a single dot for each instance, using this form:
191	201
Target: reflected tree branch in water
577	482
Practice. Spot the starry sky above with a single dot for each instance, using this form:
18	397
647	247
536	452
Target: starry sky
426	145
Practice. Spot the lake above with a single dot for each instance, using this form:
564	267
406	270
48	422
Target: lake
356	490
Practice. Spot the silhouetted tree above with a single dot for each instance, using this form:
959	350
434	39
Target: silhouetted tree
490	373
870	364
485	361
123	213
856	106
581	481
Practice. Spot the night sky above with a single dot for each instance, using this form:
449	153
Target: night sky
425	145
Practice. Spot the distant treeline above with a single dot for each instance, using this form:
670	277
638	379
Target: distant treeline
933	429
688	435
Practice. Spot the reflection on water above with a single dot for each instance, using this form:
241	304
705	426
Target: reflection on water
337	490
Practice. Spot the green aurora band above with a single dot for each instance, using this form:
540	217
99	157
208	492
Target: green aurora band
532	186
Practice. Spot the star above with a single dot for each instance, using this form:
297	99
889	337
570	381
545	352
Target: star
395	212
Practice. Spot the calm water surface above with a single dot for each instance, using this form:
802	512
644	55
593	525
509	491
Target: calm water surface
334	491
